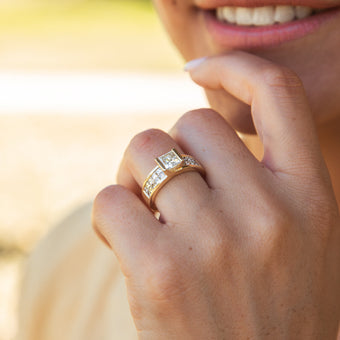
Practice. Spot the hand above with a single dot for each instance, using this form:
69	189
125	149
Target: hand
253	250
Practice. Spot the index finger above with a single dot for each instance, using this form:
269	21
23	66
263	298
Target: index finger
279	106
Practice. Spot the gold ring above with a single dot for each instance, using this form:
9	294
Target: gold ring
168	166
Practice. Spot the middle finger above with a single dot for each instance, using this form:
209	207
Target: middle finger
205	134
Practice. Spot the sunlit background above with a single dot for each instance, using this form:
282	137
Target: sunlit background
78	79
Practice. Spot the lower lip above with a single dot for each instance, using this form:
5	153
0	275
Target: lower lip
248	37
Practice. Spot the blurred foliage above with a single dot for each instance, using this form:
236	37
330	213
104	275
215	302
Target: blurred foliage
83	34
32	15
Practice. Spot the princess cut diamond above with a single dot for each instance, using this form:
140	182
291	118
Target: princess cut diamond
170	160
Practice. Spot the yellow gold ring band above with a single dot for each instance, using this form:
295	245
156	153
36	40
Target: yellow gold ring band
168	166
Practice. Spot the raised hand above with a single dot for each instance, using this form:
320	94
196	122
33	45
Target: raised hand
251	251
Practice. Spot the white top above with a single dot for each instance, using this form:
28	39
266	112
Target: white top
73	288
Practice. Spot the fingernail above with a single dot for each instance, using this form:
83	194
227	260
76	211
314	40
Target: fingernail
194	63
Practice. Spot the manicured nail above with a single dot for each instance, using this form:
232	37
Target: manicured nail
194	63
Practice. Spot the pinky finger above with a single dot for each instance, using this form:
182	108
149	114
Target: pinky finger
123	222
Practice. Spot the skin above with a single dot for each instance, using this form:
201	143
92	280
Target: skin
251	251
317	67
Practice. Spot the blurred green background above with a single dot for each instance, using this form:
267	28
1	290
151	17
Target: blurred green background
91	34
49	163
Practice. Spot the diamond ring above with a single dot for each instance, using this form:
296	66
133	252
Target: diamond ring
168	166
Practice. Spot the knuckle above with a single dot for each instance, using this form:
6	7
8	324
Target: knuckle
278	76
145	141
110	200
195	118
112	196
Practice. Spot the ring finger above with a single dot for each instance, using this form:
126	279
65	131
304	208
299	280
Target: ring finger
182	195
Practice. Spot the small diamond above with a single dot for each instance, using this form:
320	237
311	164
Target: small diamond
159	172
191	161
147	191
163	176
157	180
152	184
158	176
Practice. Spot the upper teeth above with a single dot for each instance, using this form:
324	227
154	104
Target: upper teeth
261	16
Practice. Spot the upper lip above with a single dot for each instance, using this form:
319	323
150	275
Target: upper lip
213	4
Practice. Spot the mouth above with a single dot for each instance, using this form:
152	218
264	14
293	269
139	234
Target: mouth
240	27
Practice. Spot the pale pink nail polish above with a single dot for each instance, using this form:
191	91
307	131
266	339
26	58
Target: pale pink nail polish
194	63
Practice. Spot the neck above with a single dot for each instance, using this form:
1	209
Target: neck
329	137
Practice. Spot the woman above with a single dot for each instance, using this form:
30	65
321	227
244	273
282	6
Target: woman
250	247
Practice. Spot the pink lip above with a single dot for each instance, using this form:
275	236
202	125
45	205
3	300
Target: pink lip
248	37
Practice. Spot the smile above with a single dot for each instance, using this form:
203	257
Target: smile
263	16
232	25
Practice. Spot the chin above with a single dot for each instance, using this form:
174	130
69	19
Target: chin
236	113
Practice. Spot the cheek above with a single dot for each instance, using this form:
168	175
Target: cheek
324	98
184	26
322	81
317	62
175	19
172	14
